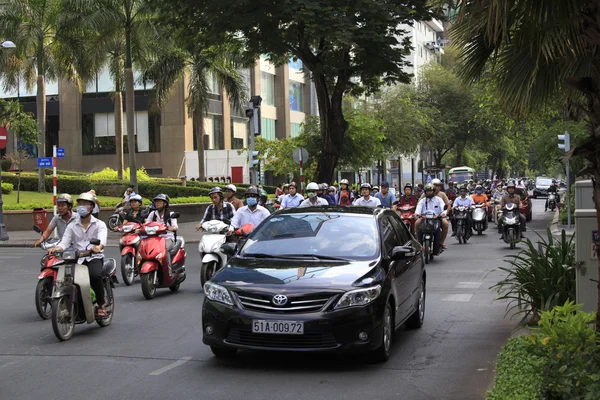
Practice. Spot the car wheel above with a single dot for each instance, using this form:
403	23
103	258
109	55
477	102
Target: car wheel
382	353
223	352
415	321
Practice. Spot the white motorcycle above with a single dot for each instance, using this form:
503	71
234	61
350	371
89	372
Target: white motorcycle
213	259
479	218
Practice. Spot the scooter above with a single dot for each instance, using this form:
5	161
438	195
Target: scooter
511	224
463	233
153	260
128	245
118	217
46	278
430	236
552	201
406	215
480	218
73	299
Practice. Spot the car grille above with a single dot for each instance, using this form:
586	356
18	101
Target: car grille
299	304
305	341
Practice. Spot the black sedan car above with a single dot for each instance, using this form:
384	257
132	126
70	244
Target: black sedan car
327	279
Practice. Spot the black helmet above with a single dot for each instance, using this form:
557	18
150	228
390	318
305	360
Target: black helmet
251	190
408	185
216	189
162	197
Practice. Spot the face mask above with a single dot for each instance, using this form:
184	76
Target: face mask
311	195
479	191
251	201
82	211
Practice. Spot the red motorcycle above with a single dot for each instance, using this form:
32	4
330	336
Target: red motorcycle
46	278
152	260
407	213
128	245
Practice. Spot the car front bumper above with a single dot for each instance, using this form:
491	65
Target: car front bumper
328	331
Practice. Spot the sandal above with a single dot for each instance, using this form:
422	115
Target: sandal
101	313
444	246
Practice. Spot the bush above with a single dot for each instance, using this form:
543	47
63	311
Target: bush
241	187
539	277
109	174
7	188
5	164
188	200
562	215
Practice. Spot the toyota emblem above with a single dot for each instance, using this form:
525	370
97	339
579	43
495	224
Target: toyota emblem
280	299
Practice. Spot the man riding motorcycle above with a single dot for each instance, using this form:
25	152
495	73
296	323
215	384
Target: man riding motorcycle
135	212
386	198
465	201
437	184
552	189
252	213
407	199
479	196
366	200
78	235
219	209
511	197
434	203
64	207
451	191
313	199
230	196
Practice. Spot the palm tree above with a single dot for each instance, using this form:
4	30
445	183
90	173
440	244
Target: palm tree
221	61
539	49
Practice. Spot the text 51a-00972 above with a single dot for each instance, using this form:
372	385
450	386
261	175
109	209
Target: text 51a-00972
278	327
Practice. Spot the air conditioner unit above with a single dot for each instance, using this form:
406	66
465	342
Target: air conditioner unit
430	45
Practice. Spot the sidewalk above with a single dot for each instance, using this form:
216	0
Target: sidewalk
556	228
28	238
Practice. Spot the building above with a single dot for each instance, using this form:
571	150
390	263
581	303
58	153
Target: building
83	123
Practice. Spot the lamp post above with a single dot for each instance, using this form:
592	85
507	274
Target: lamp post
3	234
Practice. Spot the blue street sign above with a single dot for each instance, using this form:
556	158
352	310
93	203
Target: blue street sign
595	237
44	162
60	152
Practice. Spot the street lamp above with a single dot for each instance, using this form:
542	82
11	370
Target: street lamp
7	44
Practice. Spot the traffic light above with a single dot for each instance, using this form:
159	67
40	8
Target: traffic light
566	145
253	158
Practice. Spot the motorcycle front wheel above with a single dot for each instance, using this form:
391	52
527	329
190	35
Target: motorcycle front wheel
148	287
207	271
63	320
128	269
43	300
109	306
459	234
427	250
114	222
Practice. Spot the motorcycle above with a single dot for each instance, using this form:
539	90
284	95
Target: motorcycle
118	217
480	218
153	260
463	233
430	235
46	278
128	245
551	201
511	224
73	301
406	215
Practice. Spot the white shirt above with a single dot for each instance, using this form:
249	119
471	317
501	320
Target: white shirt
435	204
246	216
466	202
172	222
372	202
308	203
78	237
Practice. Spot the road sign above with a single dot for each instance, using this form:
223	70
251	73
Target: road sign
595	237
297	152
3	138
60	152
44	162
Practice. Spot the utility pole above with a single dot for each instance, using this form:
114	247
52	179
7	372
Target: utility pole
253	113
566	146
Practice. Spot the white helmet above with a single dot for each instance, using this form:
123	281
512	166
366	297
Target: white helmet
436	182
344	182
312	186
231	187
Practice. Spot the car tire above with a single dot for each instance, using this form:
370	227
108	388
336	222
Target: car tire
415	321
223	352
382	353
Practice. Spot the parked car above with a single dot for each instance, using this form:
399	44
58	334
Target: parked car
525	207
319	279
541	187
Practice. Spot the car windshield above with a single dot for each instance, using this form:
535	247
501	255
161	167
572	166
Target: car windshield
321	235
543	182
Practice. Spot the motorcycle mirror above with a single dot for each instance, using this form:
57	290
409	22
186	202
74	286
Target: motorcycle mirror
175	215
95	242
228	249
38	230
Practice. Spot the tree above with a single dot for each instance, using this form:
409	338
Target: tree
539	49
349	47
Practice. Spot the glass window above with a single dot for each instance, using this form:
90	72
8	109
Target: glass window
92	144
213	84
218	136
295	129
296	96
239	133
267	128
295	64
401	229
267	88
323	234
389	236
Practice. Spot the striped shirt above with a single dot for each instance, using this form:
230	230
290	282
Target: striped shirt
225	214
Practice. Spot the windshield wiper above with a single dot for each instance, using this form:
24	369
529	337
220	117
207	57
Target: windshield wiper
317	256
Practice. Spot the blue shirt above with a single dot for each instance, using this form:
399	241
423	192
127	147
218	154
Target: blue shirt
290	201
386	201
466	202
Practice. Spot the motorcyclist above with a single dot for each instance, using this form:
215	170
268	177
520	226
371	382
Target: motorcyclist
407	199
285	192
451	191
386	198
135	212
263	201
64	207
511	197
293	199
78	235
345	197
366	200
470	185
479	196
325	193
418	191
230	197
374	190
552	189
162	214
252	213
219	209
432	202
312	197
465	201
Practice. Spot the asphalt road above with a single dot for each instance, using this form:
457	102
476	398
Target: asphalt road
154	350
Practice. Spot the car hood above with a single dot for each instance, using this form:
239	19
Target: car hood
244	273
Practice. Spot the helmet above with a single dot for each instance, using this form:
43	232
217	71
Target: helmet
450	183
344	182
428	187
216	189
162	197
436	182
332	189
478	187
263	194
135	197
87	197
324	186
312	186
385	183
408	185
375	187
287	185
65	198
365	186
231	187
251	190
510	185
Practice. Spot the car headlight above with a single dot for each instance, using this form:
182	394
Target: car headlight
218	293
358	297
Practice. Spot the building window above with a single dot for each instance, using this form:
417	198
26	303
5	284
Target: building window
295	64
296	96
267	88
214	138
239	133
295	129
268	128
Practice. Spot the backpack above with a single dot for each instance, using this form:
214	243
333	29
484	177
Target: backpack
344	199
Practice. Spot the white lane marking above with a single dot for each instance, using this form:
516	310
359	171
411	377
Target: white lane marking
169	367
481	369
458	297
468	285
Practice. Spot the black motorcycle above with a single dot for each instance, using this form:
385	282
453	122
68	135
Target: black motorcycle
511	224
430	235
461	214
118	217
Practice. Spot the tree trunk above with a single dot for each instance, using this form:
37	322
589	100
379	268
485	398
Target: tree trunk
40	101
199	126
119	131
130	108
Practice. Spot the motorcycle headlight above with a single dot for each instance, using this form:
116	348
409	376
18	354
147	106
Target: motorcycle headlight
69	255
511	220
217	293
358	297
151	230
127	228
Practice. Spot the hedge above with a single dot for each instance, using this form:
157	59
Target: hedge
7	188
240	186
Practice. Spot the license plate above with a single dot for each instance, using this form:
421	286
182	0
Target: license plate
278	327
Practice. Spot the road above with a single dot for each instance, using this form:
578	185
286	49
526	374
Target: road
154	350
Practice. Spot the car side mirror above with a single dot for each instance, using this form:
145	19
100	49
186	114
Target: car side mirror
95	242
228	249
402	252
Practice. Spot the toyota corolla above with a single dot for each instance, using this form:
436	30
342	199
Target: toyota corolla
323	279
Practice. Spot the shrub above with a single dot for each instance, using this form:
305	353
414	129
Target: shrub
7	188
5	164
241	187
109	174
539	277
188	200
